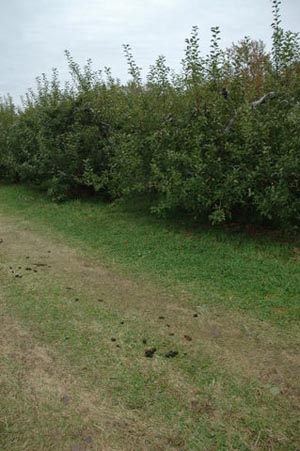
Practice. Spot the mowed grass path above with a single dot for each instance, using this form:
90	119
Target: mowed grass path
87	287
260	276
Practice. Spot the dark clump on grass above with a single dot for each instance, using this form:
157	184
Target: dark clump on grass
171	354
150	352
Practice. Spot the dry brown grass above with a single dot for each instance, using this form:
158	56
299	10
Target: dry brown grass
48	386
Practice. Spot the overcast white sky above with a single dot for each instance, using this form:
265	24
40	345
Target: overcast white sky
34	33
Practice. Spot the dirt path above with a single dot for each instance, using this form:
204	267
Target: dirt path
37	370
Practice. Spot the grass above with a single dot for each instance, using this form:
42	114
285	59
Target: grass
73	373
258	275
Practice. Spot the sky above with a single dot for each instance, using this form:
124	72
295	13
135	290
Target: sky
35	33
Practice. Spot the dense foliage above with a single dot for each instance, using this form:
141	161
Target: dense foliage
219	140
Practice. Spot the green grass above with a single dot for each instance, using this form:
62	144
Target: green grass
233	386
142	389
231	412
258	275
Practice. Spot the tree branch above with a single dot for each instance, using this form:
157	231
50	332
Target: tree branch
269	95
256	103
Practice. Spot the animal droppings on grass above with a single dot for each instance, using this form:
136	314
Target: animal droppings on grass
113	339
100	300
195	315
161	317
122	322
28	269
241	363
187	338
171	354
150	352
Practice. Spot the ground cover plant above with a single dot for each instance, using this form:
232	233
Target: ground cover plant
219	140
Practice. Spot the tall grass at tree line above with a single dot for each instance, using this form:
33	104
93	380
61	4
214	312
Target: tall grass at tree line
199	140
